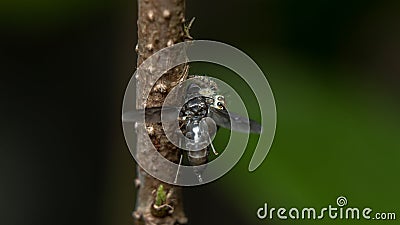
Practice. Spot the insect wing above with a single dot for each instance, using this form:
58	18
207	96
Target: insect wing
152	115
241	124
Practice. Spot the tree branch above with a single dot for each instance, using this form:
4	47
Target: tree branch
160	24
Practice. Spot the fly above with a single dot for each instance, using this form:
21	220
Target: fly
201	102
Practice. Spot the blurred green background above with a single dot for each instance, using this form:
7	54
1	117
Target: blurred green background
333	67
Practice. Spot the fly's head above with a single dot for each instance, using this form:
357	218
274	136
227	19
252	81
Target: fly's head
218	102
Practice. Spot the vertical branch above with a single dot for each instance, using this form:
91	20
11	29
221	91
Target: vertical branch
160	24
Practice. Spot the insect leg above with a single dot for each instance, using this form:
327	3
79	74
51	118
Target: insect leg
212	146
177	171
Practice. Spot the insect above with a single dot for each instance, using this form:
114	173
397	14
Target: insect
201	102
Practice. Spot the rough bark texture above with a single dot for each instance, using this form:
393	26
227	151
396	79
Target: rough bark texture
160	24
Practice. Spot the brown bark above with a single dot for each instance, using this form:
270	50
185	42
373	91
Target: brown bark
160	24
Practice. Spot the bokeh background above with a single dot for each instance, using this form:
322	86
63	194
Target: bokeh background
333	67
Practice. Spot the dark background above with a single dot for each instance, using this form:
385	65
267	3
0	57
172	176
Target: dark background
64	67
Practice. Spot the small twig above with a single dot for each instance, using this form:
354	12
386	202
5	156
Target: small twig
186	29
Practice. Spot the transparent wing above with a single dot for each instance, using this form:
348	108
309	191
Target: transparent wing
240	123
152	115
